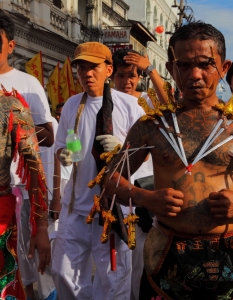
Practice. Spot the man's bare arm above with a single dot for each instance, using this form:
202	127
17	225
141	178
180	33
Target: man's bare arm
142	62
164	202
45	131
34	176
55	204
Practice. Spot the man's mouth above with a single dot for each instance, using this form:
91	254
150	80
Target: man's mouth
195	87
126	88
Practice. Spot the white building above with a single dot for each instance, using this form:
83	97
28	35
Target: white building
153	13
56	27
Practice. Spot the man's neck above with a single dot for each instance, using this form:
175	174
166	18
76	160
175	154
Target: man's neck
136	94
203	105
5	69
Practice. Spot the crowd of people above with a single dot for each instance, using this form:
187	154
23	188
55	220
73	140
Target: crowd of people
179	180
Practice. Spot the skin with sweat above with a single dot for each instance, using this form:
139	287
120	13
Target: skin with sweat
202	202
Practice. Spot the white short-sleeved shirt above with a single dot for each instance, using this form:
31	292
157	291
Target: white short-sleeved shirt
125	113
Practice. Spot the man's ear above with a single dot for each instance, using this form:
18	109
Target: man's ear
169	66
11	47
225	67
109	70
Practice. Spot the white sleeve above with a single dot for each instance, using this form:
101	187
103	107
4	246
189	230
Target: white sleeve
38	103
55	127
60	141
138	113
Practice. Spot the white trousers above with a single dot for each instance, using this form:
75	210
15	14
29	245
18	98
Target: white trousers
137	263
28	267
62	186
71	268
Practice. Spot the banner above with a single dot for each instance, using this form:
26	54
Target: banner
67	87
34	67
53	87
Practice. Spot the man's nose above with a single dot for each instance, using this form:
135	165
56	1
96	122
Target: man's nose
127	80
195	73
88	72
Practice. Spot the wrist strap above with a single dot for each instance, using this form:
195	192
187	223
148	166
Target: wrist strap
77	120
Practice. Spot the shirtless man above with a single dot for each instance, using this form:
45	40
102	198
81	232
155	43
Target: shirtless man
17	134
188	254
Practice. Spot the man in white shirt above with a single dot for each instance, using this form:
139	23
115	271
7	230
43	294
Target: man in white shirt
76	240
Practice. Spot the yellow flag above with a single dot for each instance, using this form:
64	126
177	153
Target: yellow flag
53	87
79	88
67	88
34	67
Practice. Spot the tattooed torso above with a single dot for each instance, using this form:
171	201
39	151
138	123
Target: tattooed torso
212	173
7	139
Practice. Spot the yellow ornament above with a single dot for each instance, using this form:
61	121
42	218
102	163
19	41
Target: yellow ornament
94	210
131	220
109	218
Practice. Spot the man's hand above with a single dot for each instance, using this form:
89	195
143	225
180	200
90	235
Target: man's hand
65	157
164	202
55	208
139	61
42	244
108	141
221	204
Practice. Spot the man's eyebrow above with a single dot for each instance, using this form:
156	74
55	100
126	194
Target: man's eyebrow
197	59
179	61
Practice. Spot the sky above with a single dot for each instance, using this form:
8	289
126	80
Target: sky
219	13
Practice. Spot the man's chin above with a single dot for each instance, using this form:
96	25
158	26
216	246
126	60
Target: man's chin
127	91
195	97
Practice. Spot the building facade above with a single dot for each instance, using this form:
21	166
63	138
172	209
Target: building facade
56	27
154	13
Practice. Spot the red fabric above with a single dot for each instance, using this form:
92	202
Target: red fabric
21	99
18	170
112	252
189	168
7	217
7	211
41	183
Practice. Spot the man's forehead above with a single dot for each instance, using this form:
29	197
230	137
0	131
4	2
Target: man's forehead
126	68
202	47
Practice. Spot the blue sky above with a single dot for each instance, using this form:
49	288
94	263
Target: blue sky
219	13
